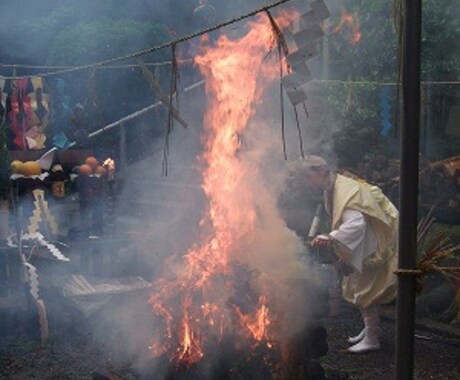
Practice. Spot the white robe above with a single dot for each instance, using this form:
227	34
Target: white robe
356	237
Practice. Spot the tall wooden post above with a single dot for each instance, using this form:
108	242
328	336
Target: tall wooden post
408	190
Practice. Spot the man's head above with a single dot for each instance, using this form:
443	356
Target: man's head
312	161
315	170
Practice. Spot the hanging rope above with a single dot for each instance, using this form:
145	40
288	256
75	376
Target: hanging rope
156	87
282	48
279	36
306	110
176	78
61	67
91	100
299	131
283	129
172	94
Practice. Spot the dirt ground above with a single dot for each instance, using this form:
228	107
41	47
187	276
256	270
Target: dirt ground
73	352
436	349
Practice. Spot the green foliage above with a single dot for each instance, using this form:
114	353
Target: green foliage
54	33
102	39
374	60
440	40
374	55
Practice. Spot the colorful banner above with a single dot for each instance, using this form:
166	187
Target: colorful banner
26	111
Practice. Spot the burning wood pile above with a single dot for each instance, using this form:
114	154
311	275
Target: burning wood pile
240	299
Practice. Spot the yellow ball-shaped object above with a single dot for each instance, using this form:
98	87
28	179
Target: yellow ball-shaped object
16	166
31	168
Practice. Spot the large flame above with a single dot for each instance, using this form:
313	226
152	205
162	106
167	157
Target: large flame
194	305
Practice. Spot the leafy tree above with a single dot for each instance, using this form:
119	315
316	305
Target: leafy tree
86	43
374	60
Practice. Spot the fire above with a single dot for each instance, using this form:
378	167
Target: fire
351	21
190	348
257	324
194	308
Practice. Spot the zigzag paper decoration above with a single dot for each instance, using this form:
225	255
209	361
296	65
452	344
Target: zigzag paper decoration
38	237
41	213
305	32
33	280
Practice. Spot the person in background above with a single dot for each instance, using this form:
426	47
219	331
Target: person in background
91	195
364	237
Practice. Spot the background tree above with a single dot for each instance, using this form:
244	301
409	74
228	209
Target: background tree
56	32
373	60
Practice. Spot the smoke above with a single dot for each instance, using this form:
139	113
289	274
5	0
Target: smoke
165	209
163	213
158	216
176	204
171	227
276	250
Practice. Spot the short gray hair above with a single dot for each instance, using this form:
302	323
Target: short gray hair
312	161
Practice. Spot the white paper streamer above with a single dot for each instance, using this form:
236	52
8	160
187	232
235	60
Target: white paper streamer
33	280
41	177
10	241
296	95
301	55
39	238
320	10
307	36
34	291
304	33
295	80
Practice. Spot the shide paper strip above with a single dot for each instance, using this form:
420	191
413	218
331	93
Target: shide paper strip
306	36
301	55
296	94
320	10
304	33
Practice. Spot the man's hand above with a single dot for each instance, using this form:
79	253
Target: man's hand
321	241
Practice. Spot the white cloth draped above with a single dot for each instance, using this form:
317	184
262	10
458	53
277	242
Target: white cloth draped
356	237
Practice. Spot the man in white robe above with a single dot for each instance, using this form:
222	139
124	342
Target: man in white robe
364	238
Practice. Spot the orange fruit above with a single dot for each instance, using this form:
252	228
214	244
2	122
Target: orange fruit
85	169
92	161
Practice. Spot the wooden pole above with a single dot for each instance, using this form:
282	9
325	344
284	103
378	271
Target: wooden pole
408	189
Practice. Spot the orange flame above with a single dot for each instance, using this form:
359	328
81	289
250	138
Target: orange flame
237	71
351	21
257	324
190	347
